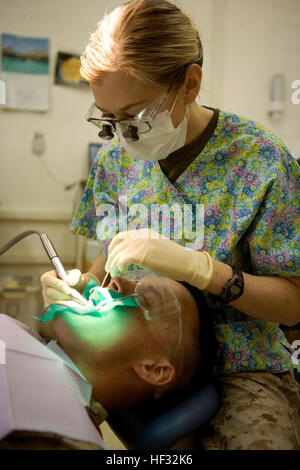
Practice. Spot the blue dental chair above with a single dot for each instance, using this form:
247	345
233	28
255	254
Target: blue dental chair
159	424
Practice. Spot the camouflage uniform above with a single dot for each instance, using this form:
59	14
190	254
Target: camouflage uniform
259	411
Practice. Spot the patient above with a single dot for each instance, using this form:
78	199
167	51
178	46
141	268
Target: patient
129	358
121	354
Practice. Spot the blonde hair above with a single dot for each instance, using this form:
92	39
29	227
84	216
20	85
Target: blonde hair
152	40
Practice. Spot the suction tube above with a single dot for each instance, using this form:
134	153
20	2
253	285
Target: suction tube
53	256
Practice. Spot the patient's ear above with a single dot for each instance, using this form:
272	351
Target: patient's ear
156	373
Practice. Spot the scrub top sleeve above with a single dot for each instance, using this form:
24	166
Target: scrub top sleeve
99	203
275	239
84	220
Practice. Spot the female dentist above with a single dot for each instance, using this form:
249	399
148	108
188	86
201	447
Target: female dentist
162	149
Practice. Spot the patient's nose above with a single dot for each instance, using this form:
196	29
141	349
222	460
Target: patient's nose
119	284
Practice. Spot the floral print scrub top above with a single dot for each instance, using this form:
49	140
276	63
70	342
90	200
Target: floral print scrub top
248	184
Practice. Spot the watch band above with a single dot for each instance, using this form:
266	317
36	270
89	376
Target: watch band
234	287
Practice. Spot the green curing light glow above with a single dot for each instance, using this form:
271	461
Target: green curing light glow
101	301
101	323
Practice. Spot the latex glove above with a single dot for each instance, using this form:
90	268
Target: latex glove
54	289
149	249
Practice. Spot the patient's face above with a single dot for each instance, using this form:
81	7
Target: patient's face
122	331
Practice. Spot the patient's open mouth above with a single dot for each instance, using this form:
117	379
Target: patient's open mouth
101	302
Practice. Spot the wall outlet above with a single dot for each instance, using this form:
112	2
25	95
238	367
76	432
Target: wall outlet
39	143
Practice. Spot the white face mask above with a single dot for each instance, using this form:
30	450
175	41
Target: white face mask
160	141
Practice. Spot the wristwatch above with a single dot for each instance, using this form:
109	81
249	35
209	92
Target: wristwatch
233	288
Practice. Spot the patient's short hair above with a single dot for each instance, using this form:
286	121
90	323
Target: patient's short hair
207	338
197	367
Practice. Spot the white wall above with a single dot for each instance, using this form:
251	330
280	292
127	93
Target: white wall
260	39
26	184
202	13
29	197
245	43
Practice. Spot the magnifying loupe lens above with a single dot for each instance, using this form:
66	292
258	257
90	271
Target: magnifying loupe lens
131	134
106	133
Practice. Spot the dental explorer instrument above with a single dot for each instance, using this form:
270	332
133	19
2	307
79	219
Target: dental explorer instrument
106	279
54	258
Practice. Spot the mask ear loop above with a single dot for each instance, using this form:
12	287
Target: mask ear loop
186	112
173	105
175	101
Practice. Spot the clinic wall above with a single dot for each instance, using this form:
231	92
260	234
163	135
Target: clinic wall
244	42
32	196
27	185
254	41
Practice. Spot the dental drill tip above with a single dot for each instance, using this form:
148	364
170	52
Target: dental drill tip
78	297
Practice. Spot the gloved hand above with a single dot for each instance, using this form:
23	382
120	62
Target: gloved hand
54	289
149	249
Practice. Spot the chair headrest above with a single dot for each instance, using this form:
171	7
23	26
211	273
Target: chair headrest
159	424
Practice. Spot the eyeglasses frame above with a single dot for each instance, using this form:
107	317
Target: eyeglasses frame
113	121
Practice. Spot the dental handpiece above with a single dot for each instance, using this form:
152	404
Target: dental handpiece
53	256
60	270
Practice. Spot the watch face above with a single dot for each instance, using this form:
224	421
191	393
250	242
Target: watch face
235	290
